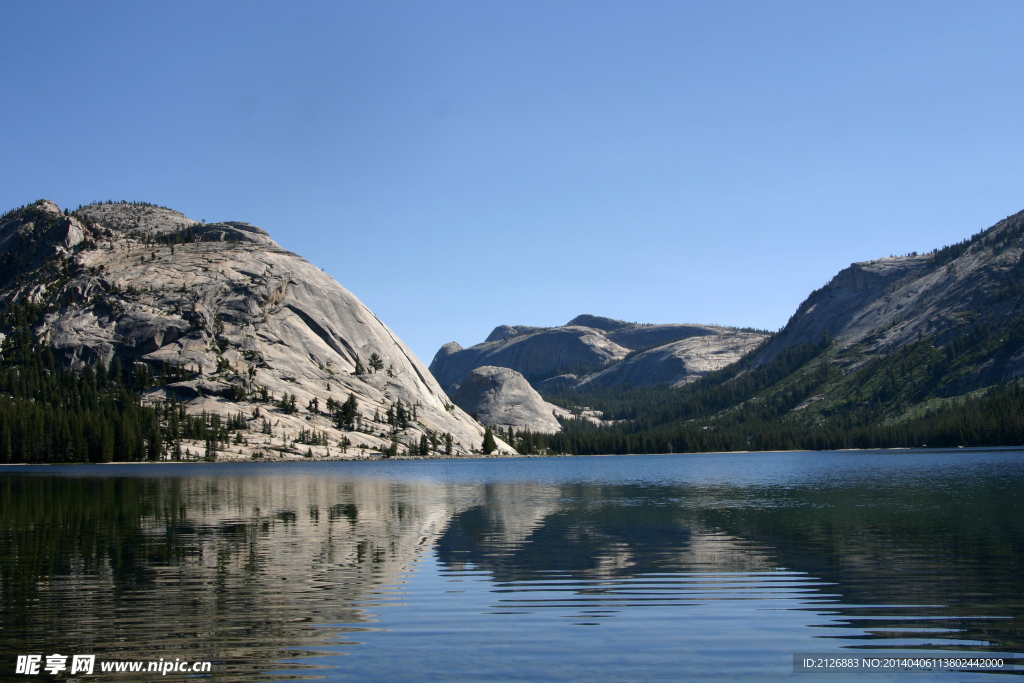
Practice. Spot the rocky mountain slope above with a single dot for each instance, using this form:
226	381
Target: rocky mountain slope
874	308
221	317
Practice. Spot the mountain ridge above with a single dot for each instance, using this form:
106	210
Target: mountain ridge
590	346
923	349
884	304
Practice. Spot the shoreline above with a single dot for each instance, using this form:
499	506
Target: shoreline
502	456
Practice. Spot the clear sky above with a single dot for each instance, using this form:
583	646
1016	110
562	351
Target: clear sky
460	165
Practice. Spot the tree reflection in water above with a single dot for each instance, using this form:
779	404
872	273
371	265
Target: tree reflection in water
242	568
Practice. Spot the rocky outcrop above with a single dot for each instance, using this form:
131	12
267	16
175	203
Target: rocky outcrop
505	331
244	320
595	351
502	397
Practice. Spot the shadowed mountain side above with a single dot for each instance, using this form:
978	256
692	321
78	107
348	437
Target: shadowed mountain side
897	352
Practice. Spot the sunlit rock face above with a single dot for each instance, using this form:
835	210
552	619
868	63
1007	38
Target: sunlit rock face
874	307
595	351
238	313
502	398
536	355
678	362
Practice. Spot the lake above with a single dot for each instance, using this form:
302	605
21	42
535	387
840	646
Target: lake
671	567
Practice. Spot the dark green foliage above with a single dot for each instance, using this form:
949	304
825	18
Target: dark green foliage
179	236
489	445
312	437
345	414
376	363
237	422
52	414
287	404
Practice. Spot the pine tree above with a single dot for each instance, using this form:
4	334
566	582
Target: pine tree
347	414
489	444
376	363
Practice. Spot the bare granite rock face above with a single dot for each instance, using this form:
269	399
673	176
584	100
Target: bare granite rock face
503	398
874	307
536	355
244	318
596	351
678	362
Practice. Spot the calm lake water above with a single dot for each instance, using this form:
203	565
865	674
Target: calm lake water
678	567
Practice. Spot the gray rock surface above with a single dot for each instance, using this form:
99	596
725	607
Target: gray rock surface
536	355
678	362
881	305
596	351
505	331
146	284
503	398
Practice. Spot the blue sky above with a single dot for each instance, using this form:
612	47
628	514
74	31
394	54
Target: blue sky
459	165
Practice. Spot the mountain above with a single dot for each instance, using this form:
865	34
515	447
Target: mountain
220	317
922	349
594	351
970	289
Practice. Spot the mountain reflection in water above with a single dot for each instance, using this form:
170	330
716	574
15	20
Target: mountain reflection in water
249	566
